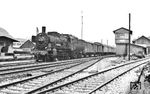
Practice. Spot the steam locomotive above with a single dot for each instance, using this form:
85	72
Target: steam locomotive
53	46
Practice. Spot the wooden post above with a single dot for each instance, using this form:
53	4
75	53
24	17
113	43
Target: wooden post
129	34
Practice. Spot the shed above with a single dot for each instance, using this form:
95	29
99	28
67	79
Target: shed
143	41
6	39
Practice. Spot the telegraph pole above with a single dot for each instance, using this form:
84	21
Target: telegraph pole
81	24
129	33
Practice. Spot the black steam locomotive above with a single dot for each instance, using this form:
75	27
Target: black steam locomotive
53	46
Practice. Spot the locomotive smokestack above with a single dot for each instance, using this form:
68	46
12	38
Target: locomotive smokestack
43	29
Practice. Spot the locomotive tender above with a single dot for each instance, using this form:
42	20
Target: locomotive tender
53	46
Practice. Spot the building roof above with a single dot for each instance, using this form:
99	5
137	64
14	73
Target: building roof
122	28
4	33
21	40
141	37
138	45
27	44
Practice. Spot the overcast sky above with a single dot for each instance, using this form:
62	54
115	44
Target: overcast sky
21	17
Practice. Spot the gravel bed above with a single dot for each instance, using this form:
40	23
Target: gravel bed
122	84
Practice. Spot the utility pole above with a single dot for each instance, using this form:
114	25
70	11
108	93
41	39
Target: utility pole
129	33
81	24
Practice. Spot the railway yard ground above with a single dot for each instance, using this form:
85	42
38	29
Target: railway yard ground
94	75
73	47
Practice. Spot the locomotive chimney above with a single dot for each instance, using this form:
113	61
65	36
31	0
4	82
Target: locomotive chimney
43	29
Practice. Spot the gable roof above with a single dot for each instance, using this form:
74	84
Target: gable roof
122	28
140	38
27	44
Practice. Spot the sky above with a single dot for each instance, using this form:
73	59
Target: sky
100	17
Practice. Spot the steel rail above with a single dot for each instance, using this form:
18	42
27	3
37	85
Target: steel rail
106	83
6	71
31	78
59	80
84	78
30	68
19	63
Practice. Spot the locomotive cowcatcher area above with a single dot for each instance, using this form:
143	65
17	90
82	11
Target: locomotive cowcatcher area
108	69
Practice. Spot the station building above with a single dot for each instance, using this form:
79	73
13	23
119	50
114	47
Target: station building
6	41
122	43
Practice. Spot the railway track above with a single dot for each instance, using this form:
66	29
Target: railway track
90	84
16	63
32	62
115	86
24	85
16	72
25	73
29	66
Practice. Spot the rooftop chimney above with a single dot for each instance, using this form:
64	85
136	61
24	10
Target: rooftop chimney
43	29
